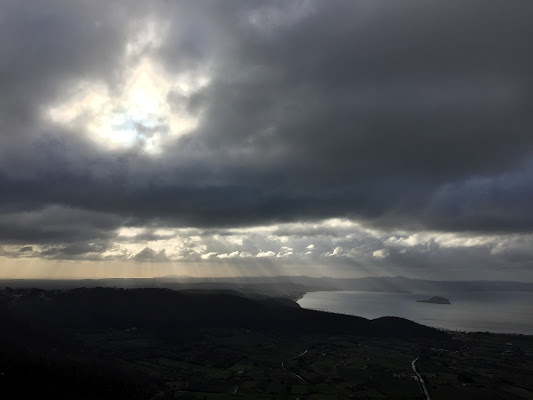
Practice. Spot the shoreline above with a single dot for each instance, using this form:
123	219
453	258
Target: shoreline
381	306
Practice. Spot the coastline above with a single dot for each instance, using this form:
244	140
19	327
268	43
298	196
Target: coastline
469	311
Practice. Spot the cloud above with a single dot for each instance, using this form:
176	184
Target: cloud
233	254
150	255
76	251
269	253
381	253
311	108
355	249
411	116
56	224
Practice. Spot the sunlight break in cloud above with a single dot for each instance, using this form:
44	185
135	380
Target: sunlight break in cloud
139	112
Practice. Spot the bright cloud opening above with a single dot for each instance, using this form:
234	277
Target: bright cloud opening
137	112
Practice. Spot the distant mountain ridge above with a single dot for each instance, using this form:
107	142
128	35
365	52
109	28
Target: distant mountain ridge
400	283
284	286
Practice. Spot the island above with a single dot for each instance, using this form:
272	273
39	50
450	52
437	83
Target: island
435	300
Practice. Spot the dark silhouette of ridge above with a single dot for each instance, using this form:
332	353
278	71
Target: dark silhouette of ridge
167	312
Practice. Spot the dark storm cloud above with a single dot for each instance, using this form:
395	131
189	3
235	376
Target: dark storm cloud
74	251
56	224
388	112
47	46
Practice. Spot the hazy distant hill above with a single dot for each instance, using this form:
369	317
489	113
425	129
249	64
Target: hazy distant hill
281	286
400	283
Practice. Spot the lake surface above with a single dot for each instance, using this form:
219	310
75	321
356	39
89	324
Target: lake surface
503	312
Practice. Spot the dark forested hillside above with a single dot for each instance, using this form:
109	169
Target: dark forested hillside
106	343
165	311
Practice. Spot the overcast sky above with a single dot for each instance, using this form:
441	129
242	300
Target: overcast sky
291	137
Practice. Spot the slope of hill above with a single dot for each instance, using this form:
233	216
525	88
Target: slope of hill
166	311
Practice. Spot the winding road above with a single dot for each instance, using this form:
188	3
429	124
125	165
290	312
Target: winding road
294	373
423	387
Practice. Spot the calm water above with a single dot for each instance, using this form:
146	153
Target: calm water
510	312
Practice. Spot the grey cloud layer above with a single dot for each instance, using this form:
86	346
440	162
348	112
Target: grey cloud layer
343	247
408	114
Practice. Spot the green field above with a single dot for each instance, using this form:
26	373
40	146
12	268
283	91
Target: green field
245	364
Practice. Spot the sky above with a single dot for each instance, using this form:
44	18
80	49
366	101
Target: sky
245	137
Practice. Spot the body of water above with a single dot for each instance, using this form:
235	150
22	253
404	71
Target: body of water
503	312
